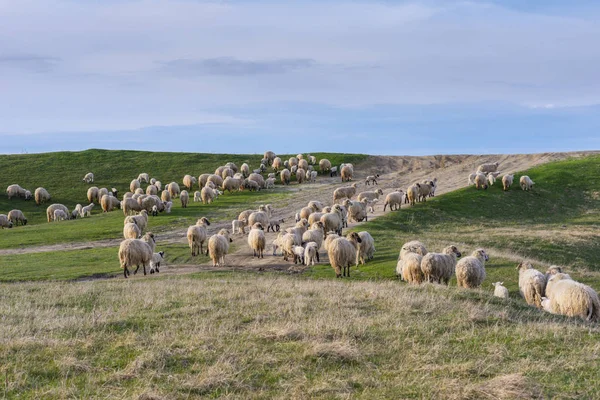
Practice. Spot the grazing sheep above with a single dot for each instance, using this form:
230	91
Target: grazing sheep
245	170
150	202
129	206
257	240
157	259
333	221
487	168
232	166
526	182
135	184
173	189
500	291
76	213
109	203
312	160
413	192
344	192
433	184
311	253
16	216
372	179
131	231
394	200
532	284
185	198
227	172
298	231
143	177
357	210
87	210
208	195
324	165
88	178
270	183
409	268
366	249
471	180
197	234
138	191
413	246
60	215
315	234
480	181
342	253
136	252
258	216
151	190
92	194
330	238
333	172
507	181
347	172
50	211
277	164
154	210
425	190
270	156
285	176
251	185
218	246
16	191
491	177
197	196
41	195
300	175
5	222
168	205
439	267
470	271
140	220
165	195
302	164
571	298
103	191
258	179
371	195
237	227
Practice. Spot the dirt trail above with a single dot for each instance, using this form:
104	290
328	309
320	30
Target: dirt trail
395	172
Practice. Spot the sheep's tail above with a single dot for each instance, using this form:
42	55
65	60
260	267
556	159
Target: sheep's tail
594	309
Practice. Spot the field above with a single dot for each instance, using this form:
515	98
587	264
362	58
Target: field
257	330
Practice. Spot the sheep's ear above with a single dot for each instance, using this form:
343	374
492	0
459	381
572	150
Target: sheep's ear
502	283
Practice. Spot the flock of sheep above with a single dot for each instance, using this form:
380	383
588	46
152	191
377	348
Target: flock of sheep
487	173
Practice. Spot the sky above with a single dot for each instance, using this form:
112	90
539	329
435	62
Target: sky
388	77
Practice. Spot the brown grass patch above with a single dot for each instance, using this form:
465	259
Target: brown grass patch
341	351
513	386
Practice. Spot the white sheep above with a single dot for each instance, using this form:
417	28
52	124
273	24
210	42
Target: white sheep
237	227
324	165
315	234
470	271
500	291
5	222
342	253
92	194
409	268
285	176
332	221
197	234
347	172
136	252
135	184
131	231
173	189
270	183
357	210
143	177
157	259
87	210
366	249
140	220
481	181
532	284
370	195
41	195
53	207
507	181
412	193
15	191
151	190
471	179
88	178
372	179
526	182
185	198
277	164
129	206
394	200
311	253
439	267
218	246
60	215
168	205
197	196
165	195
344	192
298	252
571	298
76	213
189	181
251	185
258	178
491	177
257	240
487	168
16	216
109	203
425	190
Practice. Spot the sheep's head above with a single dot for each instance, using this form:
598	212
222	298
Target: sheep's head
258	225
554	269
559	277
150	236
481	254
24	221
354	236
452	250
162	254
498	284
380	192
523	265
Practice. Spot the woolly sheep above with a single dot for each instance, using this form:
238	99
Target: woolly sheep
151	190
197	234
333	171
136	252
270	156
552	270
218	246
109	203
500	291
277	164
149	203
50	211
157	259
134	185
5	222
141	220
413	246
293	161
60	215
152	181
130	206
131	231
532	284
394	200
526	182
330	238
491	177
237	227
86	211
470	271
425	189
371	179
185	198
312	160
258	179
252	186
315	205
189	181
302	164
300	175
158	185
138	191
174	189
433	184
315	234
143	177
332	221
257	240
165	195
413	192
232	166
571	298
76	213
324	165
342	253
507	181
202	179
480	181
346	173
311	176
227	172
41	195
311	253
298	252
217	180
344	192
230	184
357	210
15	191
270	183
366	249
487	168
370	195
92	194
471	179
102	192
219	170
409	269
439	267
285	176
245	170
16	216
258	216
88	178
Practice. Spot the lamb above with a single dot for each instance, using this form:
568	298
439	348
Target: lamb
218	246
197	196
480	181
16	216
173	189
470	271
251	185
130	205
140	220
371	195
168	205
88	178
342	253
439	267
333	172
258	179
50	211
571	298
109	203
394	200
5	222
409	269
15	190
134	185
76	211
92	194
143	177
487	168
357	210
157	259
372	179
270	183
87	210
344	192
315	234
532	284
135	252
324	165
526	182
185	198
491	177
237	227
413	192
41	195
346	172
311	253
333	221
257	240
371	205
131	231
298	252
500	291
285	176
197	234
366	249
507	181
275	225
60	215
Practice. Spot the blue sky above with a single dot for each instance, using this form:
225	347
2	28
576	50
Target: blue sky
390	77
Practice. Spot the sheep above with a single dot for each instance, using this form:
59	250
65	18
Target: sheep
258	216
470	271
304	213
134	185
88	178
143	177
140	220
333	172
439	267
409	269
257	240
500	291
394	200
366	249
218	246
41	195
245	170
138	191
129	206
152	181
87	210
330	238
258	179
50	211
315	205
151	190
433	184
346	172
131	231
92	194
298	252
312	160
285	176
60	215
135	252
372	179
157	259
371	205
486	168
532	284
270	183
425	190
76	213
357	210
103	191
526	182
324	165
298	230
227	172
173	189
237	227
333	221
158	185
202	179
197	234
552	270
15	190
413	192
109	203
197	196
270	156
311	176
507	181
300	175
208	195
232	166
184	197
342	253
471	179
277	164
571	298
370	195
275	225
16	216
480	181
155	210
168	205
5	222
251	185
344	192
413	246
491	177
311	253
165	195
315	234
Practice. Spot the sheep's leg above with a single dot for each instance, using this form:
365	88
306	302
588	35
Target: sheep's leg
317	258
125	271
136	270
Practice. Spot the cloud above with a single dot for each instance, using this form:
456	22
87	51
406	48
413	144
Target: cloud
29	63
231	66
